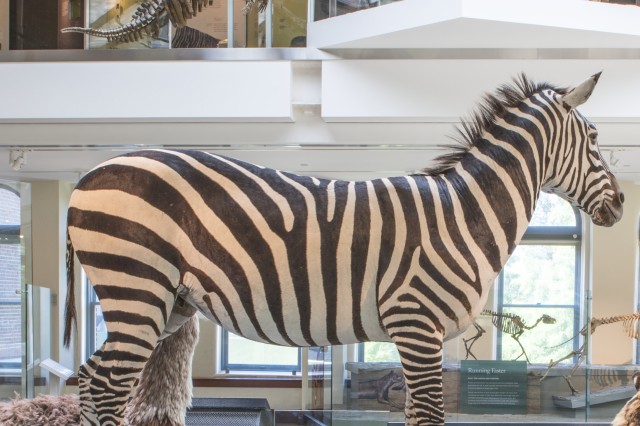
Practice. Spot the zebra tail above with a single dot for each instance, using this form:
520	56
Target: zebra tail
70	307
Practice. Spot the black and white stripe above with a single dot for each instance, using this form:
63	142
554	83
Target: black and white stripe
301	261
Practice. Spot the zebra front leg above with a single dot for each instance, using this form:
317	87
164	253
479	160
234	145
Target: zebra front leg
421	356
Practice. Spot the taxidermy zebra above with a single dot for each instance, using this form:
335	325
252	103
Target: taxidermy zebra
303	261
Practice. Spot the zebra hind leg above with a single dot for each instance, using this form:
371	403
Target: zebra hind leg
89	415
111	382
130	342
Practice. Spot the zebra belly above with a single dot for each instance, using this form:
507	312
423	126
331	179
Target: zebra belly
465	319
255	318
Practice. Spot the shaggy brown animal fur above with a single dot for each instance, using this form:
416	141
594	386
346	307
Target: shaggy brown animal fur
43	410
164	390
629	415
162	397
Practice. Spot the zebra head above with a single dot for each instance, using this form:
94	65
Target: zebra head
575	170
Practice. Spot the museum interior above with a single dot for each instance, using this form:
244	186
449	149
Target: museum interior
348	97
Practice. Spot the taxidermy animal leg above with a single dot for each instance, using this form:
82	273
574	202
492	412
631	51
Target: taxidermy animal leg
85	372
516	337
581	355
421	358
165	387
108	376
468	343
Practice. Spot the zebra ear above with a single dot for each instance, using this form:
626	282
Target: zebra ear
579	94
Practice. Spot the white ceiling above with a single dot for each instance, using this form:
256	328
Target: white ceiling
364	151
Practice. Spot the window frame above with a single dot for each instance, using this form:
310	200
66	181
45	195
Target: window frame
549	235
91	303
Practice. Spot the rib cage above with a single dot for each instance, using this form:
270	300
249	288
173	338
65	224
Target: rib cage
190	37
506	322
630	323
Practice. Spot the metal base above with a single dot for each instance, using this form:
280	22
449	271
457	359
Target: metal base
229	412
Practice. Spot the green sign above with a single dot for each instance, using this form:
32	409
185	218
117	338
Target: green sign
493	387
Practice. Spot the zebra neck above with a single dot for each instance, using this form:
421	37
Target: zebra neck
494	196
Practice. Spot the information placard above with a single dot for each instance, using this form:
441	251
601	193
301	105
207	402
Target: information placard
493	387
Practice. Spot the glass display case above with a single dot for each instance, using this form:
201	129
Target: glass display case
135	24
25	309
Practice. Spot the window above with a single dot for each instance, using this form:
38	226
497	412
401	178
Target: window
378	352
542	277
240	354
10	279
96	327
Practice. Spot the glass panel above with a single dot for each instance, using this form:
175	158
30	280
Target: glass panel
319	378
209	27
15	225
37	318
289	23
330	8
256	28
114	14
10	335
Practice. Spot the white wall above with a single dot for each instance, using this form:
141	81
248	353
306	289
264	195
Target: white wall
146	91
615	280
416	90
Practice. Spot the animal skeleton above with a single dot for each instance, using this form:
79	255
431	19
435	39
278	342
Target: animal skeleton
630	325
147	16
508	323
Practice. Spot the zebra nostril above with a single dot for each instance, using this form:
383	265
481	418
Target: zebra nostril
621	196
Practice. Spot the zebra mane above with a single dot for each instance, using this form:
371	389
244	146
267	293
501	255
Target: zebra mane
492	107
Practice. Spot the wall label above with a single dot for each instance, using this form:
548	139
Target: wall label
493	387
